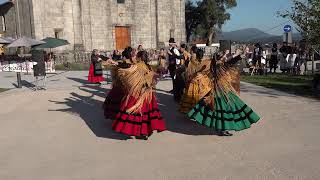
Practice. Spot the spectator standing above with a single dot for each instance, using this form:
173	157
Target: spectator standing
162	60
140	48
302	60
274	58
285	50
116	55
256	58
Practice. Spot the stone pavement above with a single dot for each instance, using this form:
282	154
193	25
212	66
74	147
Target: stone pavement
60	134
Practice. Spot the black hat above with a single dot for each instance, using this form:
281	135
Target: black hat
171	40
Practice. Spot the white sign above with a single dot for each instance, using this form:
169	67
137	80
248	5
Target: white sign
26	66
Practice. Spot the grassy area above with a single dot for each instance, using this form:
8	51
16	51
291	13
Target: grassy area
3	89
300	85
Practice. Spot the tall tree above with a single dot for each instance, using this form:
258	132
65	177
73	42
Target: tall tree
306	15
214	14
210	15
192	18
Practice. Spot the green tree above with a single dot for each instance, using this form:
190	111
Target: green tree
192	18
207	16
306	15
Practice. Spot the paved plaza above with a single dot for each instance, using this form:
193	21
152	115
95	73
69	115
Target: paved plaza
61	134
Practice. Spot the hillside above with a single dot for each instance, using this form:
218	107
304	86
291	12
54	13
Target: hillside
252	35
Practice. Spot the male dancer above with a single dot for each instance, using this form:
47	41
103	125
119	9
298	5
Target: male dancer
174	59
179	82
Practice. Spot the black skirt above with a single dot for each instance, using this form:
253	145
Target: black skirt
274	59
97	69
39	69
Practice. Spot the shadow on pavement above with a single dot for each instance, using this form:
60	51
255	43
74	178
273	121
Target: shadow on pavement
26	84
94	89
177	122
90	110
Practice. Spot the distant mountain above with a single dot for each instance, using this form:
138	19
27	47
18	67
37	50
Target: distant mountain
253	35
243	34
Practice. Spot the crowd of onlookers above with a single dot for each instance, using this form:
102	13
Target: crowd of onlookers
259	59
287	58
292	58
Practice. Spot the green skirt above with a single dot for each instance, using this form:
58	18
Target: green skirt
231	114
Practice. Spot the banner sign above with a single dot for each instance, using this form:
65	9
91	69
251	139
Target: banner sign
26	66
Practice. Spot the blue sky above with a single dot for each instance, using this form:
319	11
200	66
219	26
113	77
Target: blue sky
3	1
261	14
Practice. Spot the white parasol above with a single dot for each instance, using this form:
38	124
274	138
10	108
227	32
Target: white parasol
25	42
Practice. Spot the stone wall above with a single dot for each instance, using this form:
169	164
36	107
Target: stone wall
91	23
52	16
24	15
171	17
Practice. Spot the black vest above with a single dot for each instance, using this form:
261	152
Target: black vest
172	56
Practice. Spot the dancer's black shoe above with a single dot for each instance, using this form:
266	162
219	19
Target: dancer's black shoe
142	137
224	133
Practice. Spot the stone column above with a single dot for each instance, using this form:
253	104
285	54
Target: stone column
38	18
68	23
77	22
143	23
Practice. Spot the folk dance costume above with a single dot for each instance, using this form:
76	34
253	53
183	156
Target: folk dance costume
174	60
180	72
186	58
112	102
198	84
222	109
95	70
235	81
197	81
139	114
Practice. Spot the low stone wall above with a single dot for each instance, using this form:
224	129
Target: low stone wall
84	57
72	57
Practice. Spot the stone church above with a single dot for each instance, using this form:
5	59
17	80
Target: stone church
99	24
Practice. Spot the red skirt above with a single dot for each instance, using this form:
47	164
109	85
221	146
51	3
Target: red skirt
138	124
111	105
92	78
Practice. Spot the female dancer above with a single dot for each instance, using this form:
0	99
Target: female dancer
222	109
112	102
197	81
139	114
95	71
162	60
